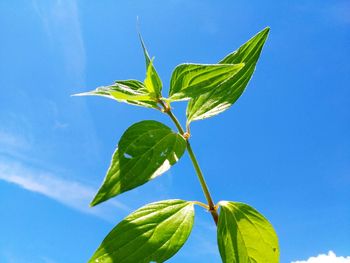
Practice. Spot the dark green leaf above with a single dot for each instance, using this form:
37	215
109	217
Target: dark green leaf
245	236
146	150
153	233
221	98
152	81
129	91
191	80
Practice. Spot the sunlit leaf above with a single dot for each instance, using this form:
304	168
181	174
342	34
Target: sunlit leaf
152	81
153	233
191	80
245	236
146	150
220	99
128	91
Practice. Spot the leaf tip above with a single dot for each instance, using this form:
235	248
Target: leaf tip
77	95
95	201
266	30
145	52
82	94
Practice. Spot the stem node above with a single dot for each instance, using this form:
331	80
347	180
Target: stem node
186	135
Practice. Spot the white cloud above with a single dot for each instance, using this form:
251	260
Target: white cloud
10	141
322	258
68	192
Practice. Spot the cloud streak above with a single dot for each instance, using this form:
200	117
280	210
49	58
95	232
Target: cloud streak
61	21
331	257
68	192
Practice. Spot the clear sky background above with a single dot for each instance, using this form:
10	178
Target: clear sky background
283	148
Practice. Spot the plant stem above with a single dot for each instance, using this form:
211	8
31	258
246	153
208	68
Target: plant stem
211	205
212	209
175	120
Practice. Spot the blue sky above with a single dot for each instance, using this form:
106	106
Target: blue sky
283	148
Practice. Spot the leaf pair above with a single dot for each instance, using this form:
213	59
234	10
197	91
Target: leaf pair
146	94
155	232
211	88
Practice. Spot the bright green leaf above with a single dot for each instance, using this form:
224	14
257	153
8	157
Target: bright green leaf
153	233
221	98
152	81
192	80
245	236
146	150
129	91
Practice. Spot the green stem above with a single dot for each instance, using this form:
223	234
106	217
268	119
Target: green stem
211	205
212	208
175	120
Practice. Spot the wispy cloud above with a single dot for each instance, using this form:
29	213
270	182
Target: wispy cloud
61	21
61	27
10	141
7	139
14	144
331	257
70	193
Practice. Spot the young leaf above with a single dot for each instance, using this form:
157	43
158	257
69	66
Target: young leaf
152	81
245	236
153	233
191	80
128	91
146	150
221	98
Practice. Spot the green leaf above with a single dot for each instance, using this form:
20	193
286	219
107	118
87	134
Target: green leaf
153	233
221	98
191	80
146	150
128	91
245	236
152	81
